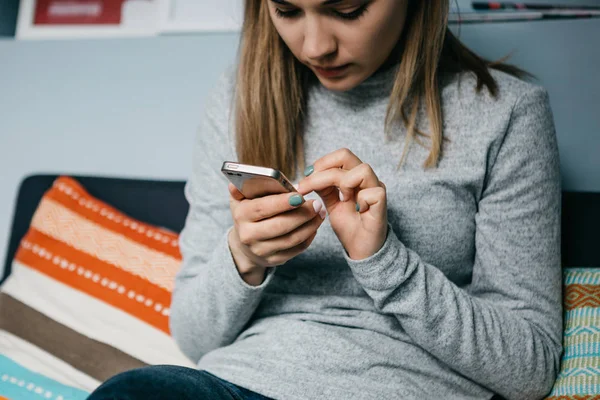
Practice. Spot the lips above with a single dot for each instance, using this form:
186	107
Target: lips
330	72
330	68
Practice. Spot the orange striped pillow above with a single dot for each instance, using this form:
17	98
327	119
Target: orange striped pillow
86	271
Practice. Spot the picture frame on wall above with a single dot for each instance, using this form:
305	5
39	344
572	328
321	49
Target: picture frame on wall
193	16
62	19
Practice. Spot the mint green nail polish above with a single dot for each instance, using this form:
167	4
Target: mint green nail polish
309	170
296	200
357	207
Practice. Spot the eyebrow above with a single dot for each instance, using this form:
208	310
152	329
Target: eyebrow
325	3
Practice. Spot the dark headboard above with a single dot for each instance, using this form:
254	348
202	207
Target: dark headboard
162	203
581	229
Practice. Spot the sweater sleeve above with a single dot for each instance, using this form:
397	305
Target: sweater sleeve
503	331
211	303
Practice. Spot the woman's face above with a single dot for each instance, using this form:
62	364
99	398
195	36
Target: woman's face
342	41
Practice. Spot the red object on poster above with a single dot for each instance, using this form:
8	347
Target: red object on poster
78	12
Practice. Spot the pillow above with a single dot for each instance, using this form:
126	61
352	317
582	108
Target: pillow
89	292
579	376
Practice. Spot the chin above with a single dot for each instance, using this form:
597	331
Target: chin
342	84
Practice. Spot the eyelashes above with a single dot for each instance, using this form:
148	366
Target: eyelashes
351	16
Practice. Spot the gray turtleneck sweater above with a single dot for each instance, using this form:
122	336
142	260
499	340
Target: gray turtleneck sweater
463	300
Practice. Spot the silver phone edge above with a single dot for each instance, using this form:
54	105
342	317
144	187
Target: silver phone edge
259	171
250	169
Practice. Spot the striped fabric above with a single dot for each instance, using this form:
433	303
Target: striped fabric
20	383
89	294
579	376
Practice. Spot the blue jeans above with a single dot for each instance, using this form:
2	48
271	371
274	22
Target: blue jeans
170	382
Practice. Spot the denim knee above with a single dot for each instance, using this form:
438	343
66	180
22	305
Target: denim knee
162	382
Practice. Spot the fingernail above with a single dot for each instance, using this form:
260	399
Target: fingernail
341	197
317	205
357	207
309	170
296	200
323	213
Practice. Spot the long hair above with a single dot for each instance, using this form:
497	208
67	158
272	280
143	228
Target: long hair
270	98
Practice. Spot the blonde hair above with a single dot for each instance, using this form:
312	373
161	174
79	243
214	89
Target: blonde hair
271	85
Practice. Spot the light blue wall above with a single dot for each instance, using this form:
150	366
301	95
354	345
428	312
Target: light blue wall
565	56
104	107
130	107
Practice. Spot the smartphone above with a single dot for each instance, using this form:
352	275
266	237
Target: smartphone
255	181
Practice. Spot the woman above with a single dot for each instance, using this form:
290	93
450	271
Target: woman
444	282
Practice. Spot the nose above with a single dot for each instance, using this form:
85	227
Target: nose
319	43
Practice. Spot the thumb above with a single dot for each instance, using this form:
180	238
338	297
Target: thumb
235	193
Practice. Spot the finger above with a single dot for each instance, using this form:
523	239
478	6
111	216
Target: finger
235	193
254	210
321	180
357	179
271	205
283	243
325	184
289	241
373	200
348	182
235	198
286	255
342	158
282	224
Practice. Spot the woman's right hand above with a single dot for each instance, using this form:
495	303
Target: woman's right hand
269	231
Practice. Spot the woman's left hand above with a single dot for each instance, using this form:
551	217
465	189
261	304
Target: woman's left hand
355	199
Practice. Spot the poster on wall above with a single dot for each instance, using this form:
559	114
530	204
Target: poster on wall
180	16
46	19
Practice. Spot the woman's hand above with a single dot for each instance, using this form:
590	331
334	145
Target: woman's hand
270	230
355	200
